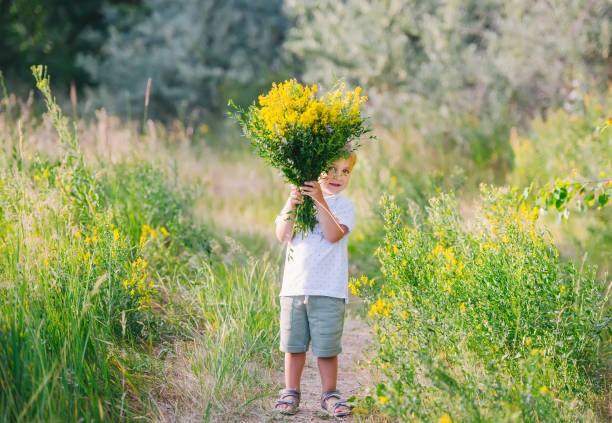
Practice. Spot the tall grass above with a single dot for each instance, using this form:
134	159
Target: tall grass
104	264
139	280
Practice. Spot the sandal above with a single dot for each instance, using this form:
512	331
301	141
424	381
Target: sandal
294	403
333	393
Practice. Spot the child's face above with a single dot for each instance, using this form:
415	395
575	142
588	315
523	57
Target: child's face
336	178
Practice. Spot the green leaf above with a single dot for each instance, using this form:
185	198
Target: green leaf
603	199
590	199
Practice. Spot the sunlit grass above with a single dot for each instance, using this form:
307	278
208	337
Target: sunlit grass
139	272
105	263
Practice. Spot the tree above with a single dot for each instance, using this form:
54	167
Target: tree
436	62
198	53
48	32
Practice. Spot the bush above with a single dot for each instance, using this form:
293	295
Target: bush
198	55
568	146
481	320
81	289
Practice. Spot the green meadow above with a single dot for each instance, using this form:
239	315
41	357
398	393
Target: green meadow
139	268
140	275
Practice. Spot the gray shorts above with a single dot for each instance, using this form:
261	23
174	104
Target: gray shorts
321	320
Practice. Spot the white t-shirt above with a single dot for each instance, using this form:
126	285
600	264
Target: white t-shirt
315	266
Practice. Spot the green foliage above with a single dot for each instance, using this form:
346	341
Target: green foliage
447	66
140	194
102	268
481	321
566	159
49	31
198	54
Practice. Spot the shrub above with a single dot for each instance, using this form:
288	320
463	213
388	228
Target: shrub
198	55
481	320
569	146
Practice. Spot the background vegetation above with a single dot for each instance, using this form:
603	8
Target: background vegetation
138	269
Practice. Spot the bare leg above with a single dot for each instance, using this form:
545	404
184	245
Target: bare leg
328	368
294	365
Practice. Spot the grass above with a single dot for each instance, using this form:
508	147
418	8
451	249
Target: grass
129	263
107	273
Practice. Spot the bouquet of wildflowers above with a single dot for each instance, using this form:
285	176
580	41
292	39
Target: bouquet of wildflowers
301	135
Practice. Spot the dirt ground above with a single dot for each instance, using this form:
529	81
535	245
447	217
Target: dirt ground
353	379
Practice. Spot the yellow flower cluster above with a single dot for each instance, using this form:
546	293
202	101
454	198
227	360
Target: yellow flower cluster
148	232
382	307
136	285
526	213
363	281
290	105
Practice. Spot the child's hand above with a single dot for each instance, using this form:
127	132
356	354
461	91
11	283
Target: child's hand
295	197
313	190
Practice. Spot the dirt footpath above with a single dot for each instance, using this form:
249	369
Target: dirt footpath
353	379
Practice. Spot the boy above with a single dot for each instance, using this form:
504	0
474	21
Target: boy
315	287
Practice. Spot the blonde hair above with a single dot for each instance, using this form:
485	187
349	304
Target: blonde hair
353	159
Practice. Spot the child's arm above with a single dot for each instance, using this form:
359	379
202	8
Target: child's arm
332	230
284	227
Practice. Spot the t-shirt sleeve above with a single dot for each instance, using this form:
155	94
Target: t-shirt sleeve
346	214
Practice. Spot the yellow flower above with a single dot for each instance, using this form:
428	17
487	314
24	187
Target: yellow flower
380	307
